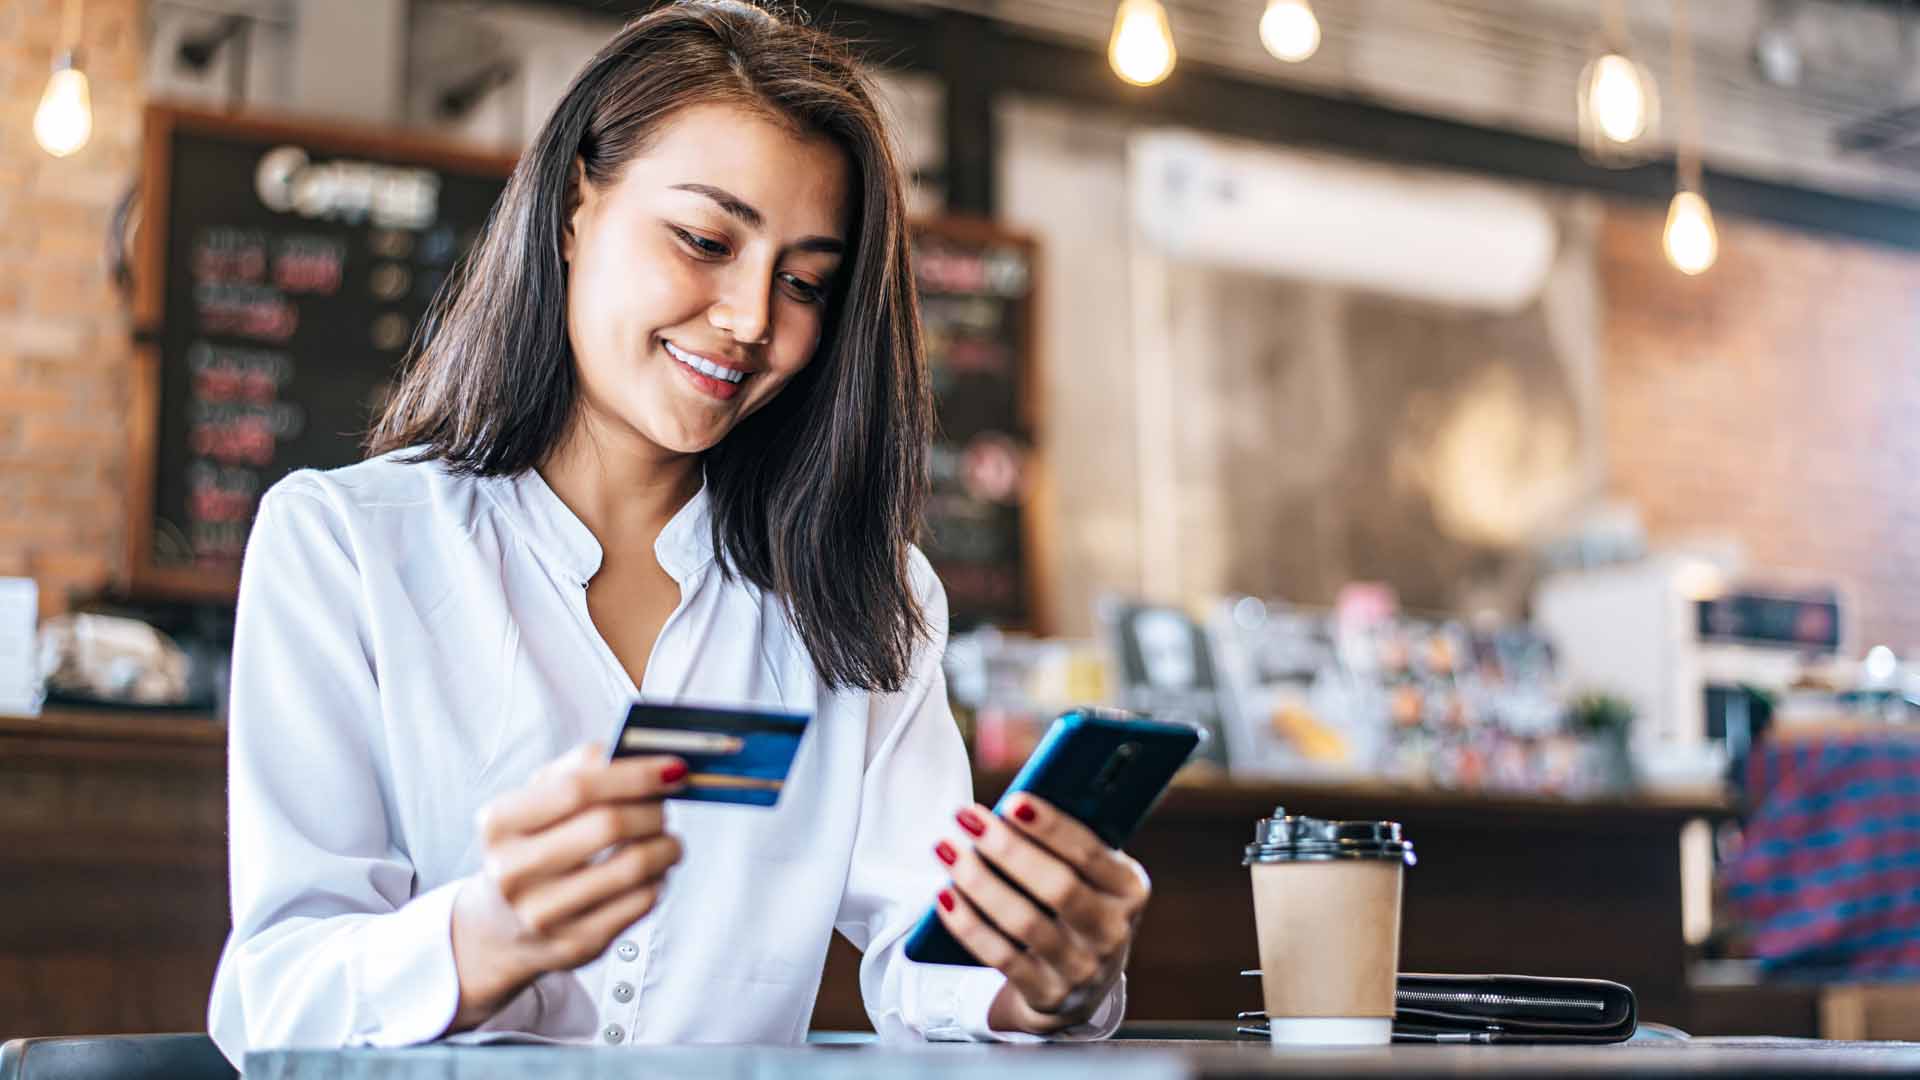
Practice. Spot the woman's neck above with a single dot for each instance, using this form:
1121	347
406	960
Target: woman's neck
622	487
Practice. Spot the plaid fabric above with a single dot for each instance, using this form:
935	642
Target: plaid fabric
1828	879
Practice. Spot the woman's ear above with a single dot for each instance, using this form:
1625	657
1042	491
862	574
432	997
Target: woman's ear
575	201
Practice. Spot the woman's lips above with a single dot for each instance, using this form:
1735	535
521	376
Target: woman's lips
719	389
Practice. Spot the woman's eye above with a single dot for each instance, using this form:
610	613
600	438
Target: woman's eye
805	291
700	243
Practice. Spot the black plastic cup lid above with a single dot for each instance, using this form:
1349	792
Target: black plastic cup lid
1287	838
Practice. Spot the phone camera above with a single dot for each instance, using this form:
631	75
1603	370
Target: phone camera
1117	762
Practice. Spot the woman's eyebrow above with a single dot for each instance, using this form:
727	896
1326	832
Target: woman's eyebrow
753	219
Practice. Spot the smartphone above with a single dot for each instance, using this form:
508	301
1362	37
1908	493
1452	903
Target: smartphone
1104	767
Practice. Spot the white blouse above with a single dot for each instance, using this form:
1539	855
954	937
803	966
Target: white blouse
412	644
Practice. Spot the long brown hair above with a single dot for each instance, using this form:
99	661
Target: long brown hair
817	496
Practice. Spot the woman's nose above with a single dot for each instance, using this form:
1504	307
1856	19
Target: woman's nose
746	314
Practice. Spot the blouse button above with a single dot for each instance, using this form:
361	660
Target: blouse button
629	951
623	992
613	1033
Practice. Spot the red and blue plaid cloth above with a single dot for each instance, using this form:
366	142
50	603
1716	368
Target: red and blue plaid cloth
1827	881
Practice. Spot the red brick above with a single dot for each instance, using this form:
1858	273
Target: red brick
43	436
70	244
31	400
1757	402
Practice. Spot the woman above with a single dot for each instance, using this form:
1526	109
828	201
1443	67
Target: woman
665	439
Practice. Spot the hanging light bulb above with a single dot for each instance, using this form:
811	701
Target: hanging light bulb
1141	50
1690	240
1289	30
1618	103
1618	98
1619	106
64	121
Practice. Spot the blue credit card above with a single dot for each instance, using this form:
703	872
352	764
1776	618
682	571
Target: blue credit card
732	755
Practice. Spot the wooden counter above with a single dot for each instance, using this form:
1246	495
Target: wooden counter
113	902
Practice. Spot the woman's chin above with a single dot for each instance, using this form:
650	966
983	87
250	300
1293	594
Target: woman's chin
689	437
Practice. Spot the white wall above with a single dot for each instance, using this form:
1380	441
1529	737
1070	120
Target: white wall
269	79
349	60
1063	179
1211	430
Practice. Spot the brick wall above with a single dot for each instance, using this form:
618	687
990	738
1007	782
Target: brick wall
65	355
1773	401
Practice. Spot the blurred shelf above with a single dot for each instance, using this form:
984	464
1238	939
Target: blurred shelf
1196	796
1210	797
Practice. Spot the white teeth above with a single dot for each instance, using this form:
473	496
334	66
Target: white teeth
714	371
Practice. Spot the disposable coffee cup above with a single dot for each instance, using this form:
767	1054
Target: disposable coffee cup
1326	906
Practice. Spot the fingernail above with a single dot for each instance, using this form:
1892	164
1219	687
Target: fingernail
673	773
971	822
946	853
1024	812
946	899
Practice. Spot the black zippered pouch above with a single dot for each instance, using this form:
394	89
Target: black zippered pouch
1510	1009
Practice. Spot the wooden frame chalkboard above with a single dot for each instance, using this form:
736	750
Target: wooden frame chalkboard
380	176
1006	584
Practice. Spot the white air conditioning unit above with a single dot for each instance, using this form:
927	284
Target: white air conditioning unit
1418	233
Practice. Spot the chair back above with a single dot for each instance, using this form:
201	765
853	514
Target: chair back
186	1056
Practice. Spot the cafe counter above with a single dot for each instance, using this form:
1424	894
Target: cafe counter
113	901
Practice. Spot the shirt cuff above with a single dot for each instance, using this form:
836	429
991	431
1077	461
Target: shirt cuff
975	1000
409	986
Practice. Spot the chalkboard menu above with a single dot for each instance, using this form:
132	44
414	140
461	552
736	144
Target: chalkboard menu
977	300
283	269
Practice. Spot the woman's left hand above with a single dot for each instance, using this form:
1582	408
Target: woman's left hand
1062	958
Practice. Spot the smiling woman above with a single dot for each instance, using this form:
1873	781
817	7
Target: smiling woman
663	438
687	167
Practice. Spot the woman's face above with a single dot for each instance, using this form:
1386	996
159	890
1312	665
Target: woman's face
698	279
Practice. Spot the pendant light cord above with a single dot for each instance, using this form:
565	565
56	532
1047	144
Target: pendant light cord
1686	147
1616	27
70	38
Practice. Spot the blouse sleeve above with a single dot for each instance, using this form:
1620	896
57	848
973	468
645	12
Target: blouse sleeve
330	946
917	776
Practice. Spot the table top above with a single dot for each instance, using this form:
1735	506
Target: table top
1129	1060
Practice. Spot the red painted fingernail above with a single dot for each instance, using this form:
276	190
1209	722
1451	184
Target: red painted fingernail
946	899
946	853
673	773
971	822
1024	812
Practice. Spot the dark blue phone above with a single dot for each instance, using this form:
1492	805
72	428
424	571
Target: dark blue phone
1104	767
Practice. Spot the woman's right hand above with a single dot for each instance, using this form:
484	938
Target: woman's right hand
545	900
